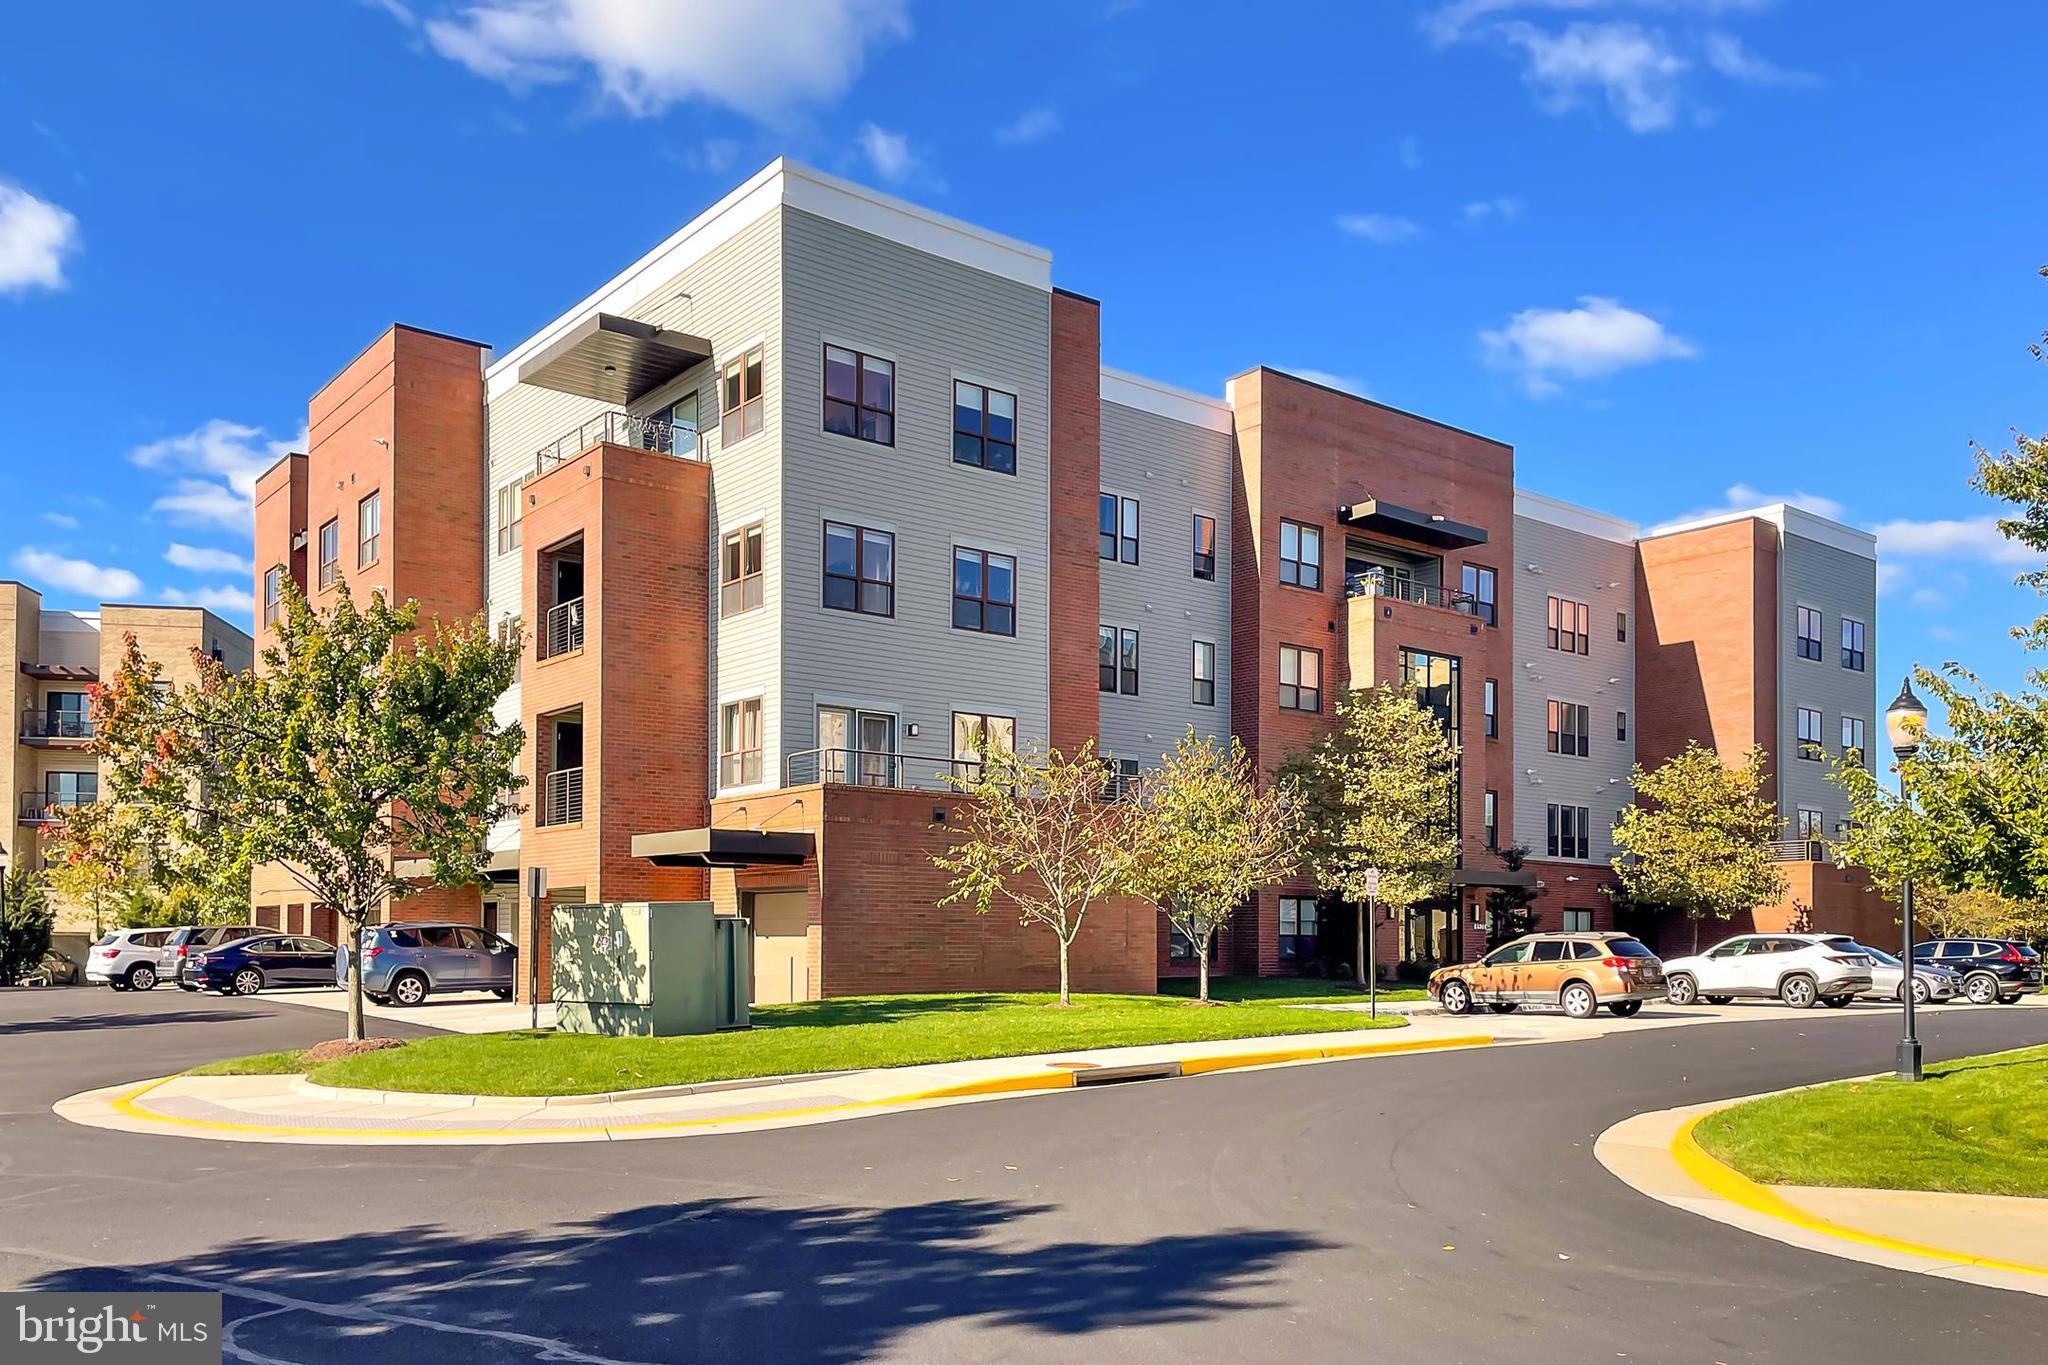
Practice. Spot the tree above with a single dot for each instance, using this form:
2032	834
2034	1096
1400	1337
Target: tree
1040	837
26	919
360	740
1979	914
1376	792
2020	476
1208	837
1699	838
1510	910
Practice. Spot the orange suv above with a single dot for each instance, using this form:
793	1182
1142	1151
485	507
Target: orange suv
1578	972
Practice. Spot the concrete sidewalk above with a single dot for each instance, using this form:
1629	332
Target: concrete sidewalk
464	1012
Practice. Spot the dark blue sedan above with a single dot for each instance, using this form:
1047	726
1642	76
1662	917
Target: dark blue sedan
247	965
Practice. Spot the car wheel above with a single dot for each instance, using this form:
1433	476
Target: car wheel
1836	1002
1981	989
247	981
1681	989
142	977
1456	997
1717	999
1799	992
408	989
1921	994
1579	1001
1626	1009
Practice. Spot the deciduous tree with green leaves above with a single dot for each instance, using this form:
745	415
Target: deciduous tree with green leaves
1208	836
360	740
26	919
1039	836
1699	837
1376	792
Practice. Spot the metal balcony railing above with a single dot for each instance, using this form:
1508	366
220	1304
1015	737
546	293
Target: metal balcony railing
42	807
1375	583
1799	851
562	632
871	768
561	797
620	429
59	725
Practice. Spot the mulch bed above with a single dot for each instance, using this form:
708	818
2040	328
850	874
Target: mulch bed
336	1048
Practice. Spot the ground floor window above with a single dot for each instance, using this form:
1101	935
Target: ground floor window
1297	927
1578	921
1179	947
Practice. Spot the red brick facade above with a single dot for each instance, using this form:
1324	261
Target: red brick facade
1076	477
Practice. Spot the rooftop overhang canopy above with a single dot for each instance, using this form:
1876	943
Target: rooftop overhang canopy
722	848
1405	523
1492	876
613	359
503	866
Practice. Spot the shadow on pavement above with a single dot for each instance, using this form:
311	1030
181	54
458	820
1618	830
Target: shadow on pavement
77	1023
730	1279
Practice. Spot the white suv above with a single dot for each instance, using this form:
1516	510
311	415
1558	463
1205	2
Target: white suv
126	959
1799	969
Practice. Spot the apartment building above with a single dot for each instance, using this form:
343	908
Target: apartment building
827	495
58	656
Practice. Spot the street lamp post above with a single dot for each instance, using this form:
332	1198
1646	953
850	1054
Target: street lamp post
1905	723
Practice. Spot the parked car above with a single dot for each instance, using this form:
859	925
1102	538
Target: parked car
174	962
403	964
1992	968
1579	972
245	966
125	959
1802	970
1888	978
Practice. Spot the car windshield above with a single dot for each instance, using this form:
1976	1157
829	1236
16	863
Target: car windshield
1627	947
1876	954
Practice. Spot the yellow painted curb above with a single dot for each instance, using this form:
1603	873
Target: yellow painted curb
1721	1179
1195	1066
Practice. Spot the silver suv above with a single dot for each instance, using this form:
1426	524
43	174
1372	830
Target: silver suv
405	963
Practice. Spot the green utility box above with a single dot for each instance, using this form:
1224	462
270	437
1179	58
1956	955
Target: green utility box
648	969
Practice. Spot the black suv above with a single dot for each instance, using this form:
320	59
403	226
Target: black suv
184	944
1991	968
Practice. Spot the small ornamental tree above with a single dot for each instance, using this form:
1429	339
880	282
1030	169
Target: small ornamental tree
1040	837
358	741
1979	914
1208	837
1376	792
1699	838
26	919
1510	910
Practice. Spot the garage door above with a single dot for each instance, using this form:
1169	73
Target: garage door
782	971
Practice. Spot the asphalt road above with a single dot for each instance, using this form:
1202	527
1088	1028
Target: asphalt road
1430	1208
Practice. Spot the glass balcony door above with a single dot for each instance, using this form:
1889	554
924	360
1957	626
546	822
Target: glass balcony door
856	746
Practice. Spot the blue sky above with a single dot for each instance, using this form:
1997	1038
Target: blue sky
1677	251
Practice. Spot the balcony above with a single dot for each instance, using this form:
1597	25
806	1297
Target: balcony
871	768
562	630
1799	851
561	797
41	808
619	429
56	729
1379	583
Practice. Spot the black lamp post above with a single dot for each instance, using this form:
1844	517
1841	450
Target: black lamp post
1905	724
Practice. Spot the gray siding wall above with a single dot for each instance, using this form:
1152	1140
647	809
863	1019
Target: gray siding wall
1175	470
1837	583
936	319
1578	567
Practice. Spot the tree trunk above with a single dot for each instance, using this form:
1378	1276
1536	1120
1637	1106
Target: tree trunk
355	978
1063	973
1202	967
1695	935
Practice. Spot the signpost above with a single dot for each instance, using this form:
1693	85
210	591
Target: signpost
1369	930
536	890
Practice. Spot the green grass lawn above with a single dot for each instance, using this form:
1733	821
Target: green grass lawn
262	1064
824	1035
1284	990
1975	1126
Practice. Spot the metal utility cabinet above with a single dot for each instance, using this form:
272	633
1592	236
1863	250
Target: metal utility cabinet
648	969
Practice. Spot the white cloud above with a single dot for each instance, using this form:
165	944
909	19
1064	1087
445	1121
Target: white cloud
1506	208
1029	126
81	576
396	9
35	238
220	450
764	59
1891	576
1727	55
195	500
1385	229
205	559
1346	382
889	153
1632	66
1975	538
218	597
1744	497
63	520
1599	337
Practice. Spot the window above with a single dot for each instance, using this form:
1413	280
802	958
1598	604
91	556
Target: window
976	736
1301	679
70	789
1809	734
1809	633
1812	824
739	571
1621	626
1579	922
1205	546
1490	819
1567	829
984	427
1852	740
1852	644
984	592
369	525
1621	727
860	570
739	397
1433	679
1301	555
739	743
1297	926
330	552
273	592
1479	584
1117	664
511	507
1179	947
860	396
681	417
1205	673
1570	730
1568	626
1490	704
1117	522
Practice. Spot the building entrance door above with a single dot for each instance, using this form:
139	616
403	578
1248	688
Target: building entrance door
781	950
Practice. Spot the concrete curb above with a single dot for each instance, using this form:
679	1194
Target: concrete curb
356	1095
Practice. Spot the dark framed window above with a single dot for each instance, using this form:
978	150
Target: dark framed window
369	529
739	571
1432	679
1301	555
1117	660
984	592
977	734
860	395
330	552
1569	727
1481	585
1579	922
1490	818
860	570
1297	927
273	592
1205	546
1179	947
1812	824
1852	644
1809	734
1205	673
739	397
1568	625
1301	678
1490	704
1809	624
984	427
1852	740
1621	627
1117	527
1621	727
1567	831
